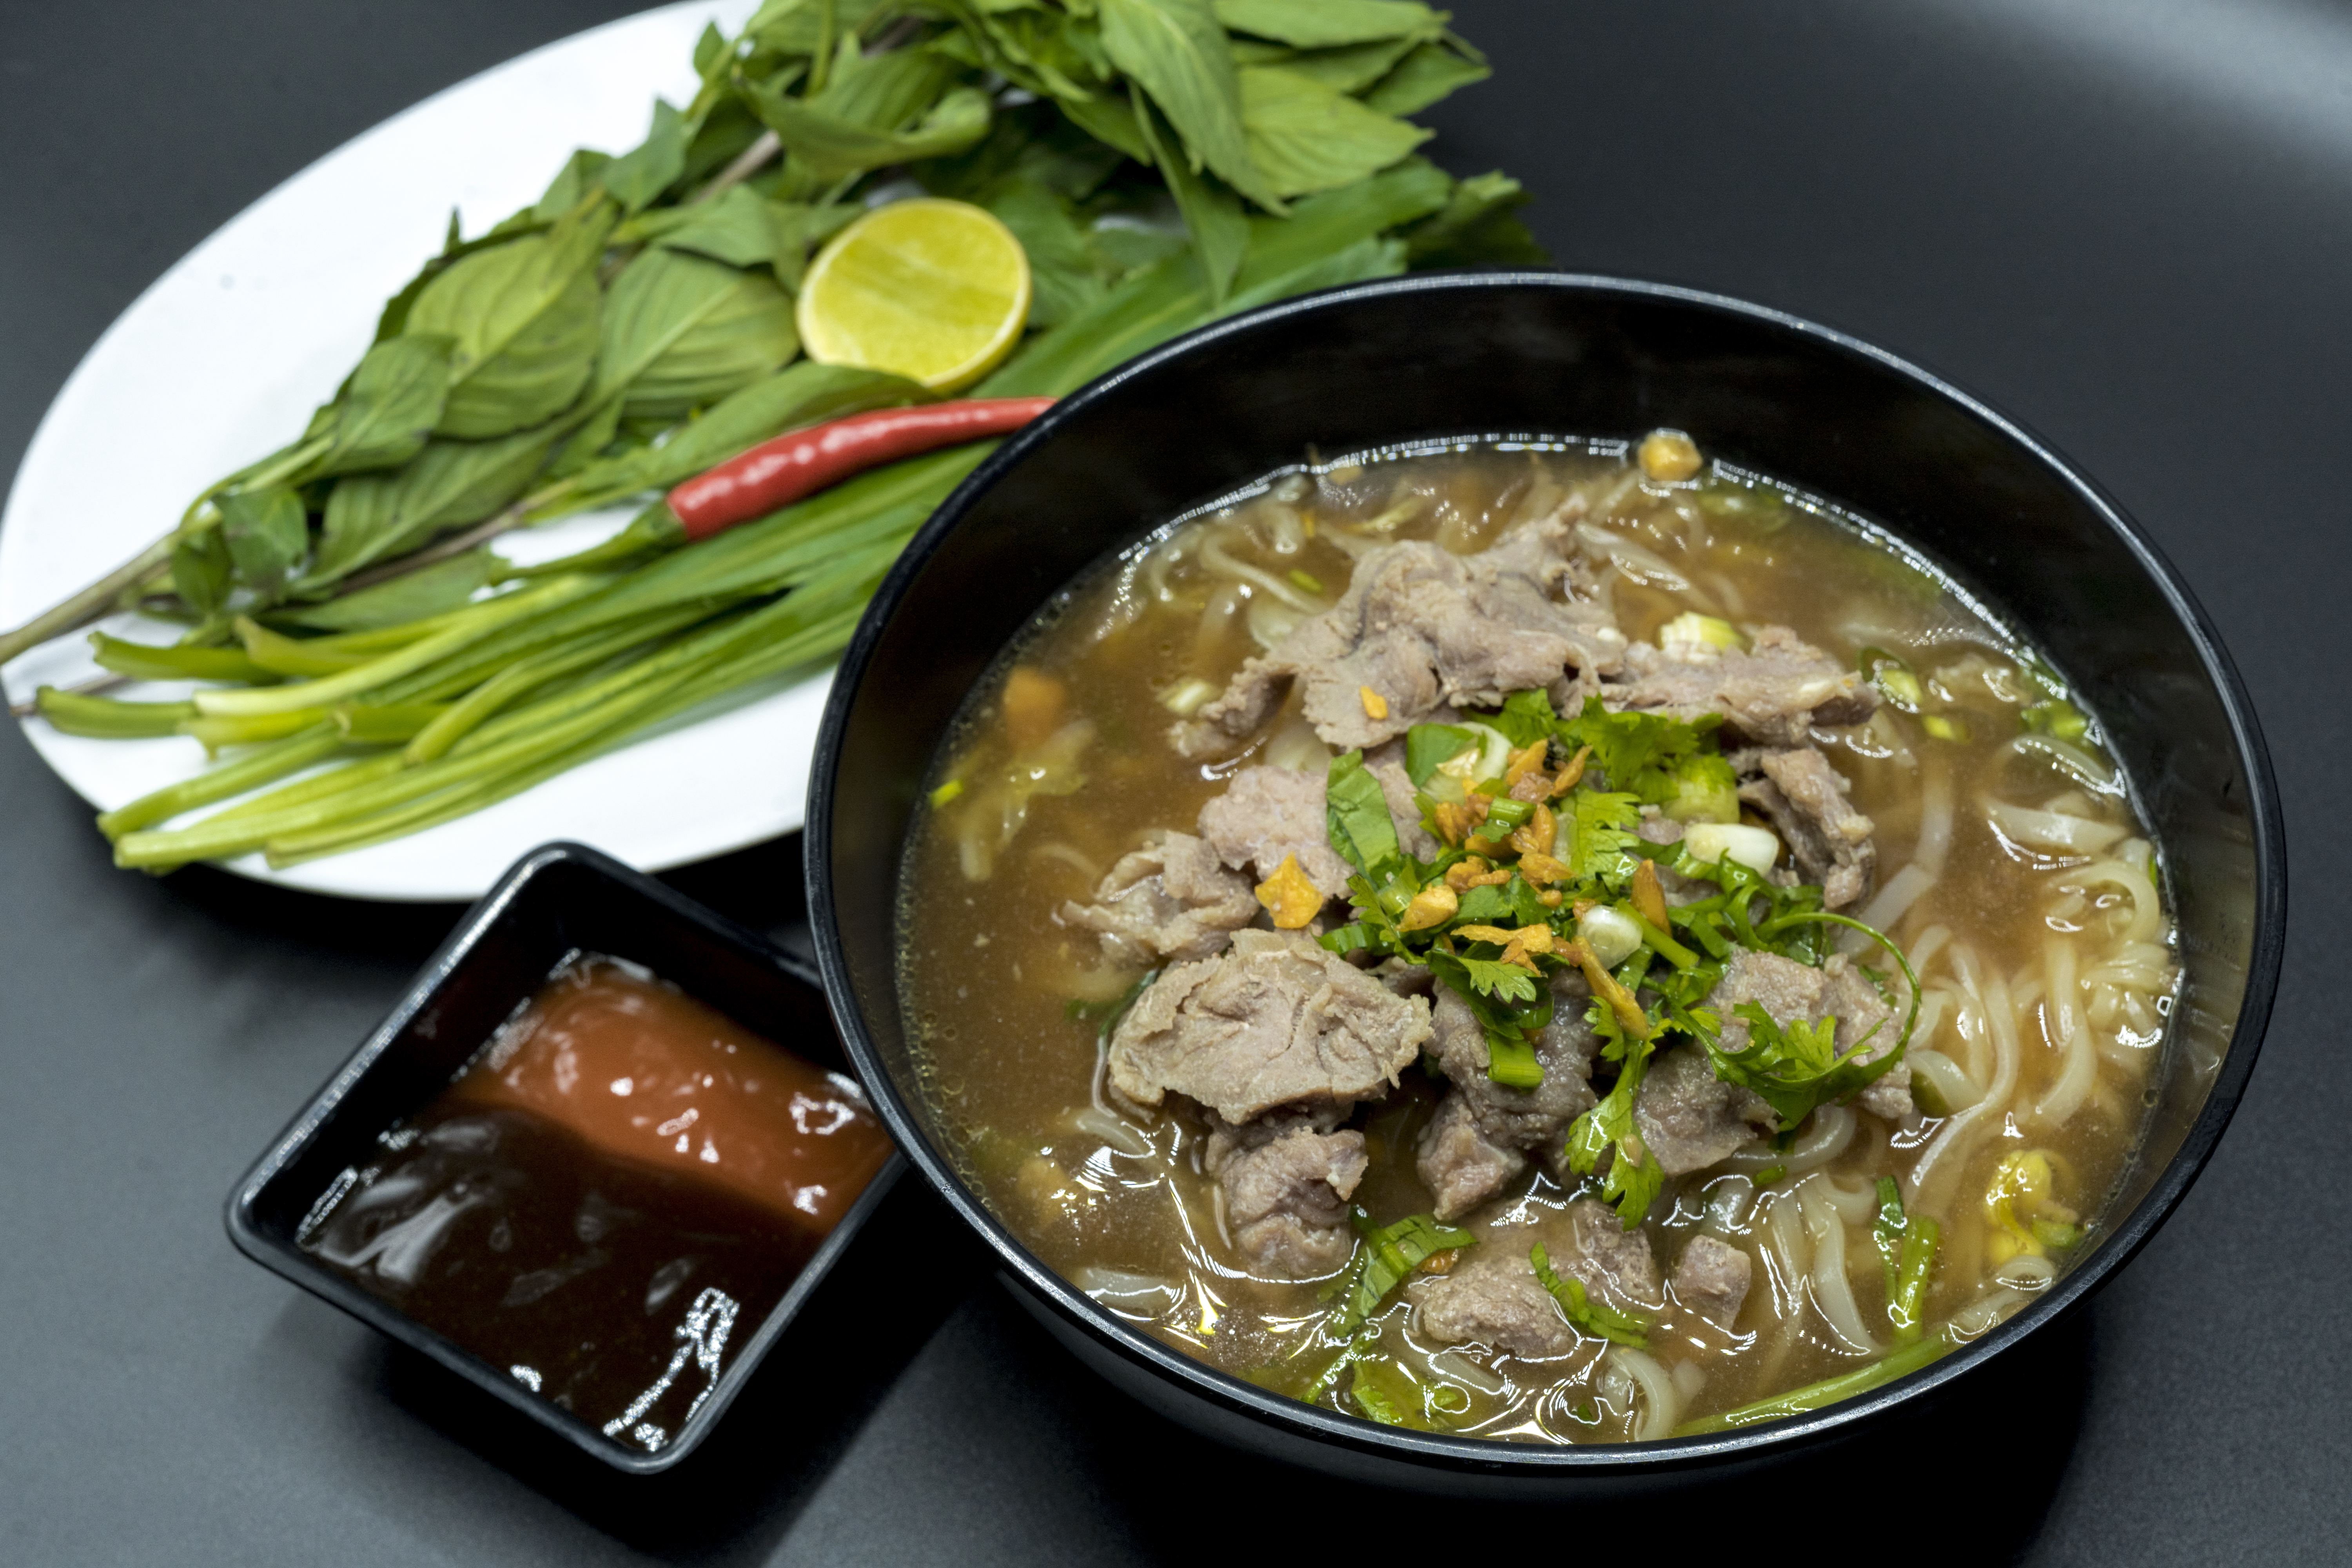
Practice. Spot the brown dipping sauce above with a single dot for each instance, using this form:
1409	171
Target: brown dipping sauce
621	1183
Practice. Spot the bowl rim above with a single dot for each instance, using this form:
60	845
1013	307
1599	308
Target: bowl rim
1482	1454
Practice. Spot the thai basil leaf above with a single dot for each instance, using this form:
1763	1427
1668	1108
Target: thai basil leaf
860	121
800	229
1213	214
1366	259
1431	72
1322	225
735	229
391	404
797	26
1307	137
524	317
1066	270
1109	120
708	48
571	185
637	177
1350	69
411	596
201	573
1357	819
1177	53
268	534
1478	226
1320	24
372	517
682	331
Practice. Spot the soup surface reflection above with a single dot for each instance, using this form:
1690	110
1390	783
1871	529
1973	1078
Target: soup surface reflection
1564	944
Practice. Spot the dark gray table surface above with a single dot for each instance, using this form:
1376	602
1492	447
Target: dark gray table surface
2127	223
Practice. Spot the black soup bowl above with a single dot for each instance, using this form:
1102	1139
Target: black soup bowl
1504	354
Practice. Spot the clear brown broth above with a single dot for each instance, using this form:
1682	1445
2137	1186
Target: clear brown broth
989	975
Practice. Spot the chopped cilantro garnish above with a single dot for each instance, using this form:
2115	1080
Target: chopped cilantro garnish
1372	1401
1906	1250
1590	1317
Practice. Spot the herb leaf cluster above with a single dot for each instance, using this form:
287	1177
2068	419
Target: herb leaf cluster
1536	817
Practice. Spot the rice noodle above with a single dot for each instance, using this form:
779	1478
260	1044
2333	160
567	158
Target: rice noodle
1923	952
1788	1253
1116	1131
1454	1365
1128	1294
1981	1315
2025	1272
2062	1023
1892	902
1217	559
1822	1138
1644	565
1958	1089
1938	1165
1725	1207
2124	872
1935	840
2053	830
1833	1292
1856	1204
1216	621
1660	1405
1069	855
1269	623
2070	759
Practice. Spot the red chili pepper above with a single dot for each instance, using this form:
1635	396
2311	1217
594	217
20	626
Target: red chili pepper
777	473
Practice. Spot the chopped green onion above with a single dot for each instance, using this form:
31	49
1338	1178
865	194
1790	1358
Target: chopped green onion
1893	677
1945	726
2057	1234
1307	579
105	718
1510	812
1769	1175
1512	1062
1829	1391
1369	1399
946	793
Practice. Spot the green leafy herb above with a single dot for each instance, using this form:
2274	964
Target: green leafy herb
1388	1254
1360	827
1906	1250
1597	1319
1630	1184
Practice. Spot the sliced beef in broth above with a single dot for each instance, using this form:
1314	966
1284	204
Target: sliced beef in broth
1711	1279
1419	626
1493	1297
1170	900
1688	1118
1773	695
1287	1182
1272	1021
1267	814
1483	1130
1804	798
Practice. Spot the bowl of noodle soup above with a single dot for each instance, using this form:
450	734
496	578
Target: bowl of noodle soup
1738	694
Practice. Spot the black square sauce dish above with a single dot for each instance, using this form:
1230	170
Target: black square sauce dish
594	1162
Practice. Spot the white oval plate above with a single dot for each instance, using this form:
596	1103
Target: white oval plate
225	355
